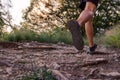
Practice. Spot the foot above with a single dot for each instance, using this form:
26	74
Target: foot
91	50
75	30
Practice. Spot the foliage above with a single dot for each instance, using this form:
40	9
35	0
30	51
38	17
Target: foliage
5	17
111	38
107	14
41	14
21	35
69	10
57	35
41	74
61	35
1	19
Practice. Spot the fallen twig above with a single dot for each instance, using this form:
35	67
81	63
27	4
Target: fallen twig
94	62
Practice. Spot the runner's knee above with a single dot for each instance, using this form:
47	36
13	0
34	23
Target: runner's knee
90	13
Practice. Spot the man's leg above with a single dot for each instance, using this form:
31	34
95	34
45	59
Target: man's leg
89	32
86	17
74	26
87	13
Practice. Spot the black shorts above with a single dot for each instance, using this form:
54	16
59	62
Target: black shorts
83	3
94	1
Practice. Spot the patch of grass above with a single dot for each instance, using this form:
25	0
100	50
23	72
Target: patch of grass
85	41
61	35
41	74
55	36
44	37
21	35
111	38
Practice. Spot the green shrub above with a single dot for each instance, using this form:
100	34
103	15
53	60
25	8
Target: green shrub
55	36
60	35
21	35
112	37
44	37
40	74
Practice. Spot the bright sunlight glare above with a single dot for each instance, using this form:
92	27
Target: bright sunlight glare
16	10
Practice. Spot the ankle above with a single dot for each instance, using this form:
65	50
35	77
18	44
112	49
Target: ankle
93	47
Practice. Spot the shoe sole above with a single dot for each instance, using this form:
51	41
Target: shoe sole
74	28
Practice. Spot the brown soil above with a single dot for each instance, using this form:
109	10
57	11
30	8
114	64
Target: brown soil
16	59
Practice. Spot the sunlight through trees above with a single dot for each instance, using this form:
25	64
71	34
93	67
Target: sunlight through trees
47	14
42	14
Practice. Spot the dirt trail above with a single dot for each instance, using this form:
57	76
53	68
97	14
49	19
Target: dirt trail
16	59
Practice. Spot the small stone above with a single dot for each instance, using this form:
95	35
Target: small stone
55	66
78	56
59	75
97	60
95	79
111	74
9	70
1	70
19	47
